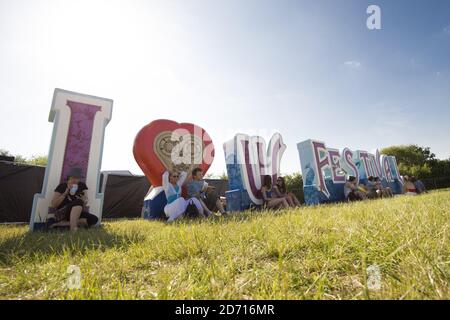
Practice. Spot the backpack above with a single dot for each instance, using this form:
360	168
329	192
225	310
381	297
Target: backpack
191	211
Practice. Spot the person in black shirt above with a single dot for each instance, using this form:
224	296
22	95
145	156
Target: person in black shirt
69	201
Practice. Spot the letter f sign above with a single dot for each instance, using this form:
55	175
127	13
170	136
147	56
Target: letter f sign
374	20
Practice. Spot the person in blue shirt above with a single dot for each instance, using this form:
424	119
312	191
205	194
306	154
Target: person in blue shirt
176	204
197	188
420	187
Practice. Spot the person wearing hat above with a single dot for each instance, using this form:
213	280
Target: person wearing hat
69	201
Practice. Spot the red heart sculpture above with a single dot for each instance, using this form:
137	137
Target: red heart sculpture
168	145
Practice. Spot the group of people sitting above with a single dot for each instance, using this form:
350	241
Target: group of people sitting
202	199
413	186
374	189
277	196
70	199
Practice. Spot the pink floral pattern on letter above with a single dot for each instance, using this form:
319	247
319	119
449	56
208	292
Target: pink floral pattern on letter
79	137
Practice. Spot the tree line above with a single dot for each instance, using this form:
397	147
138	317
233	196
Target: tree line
35	160
412	160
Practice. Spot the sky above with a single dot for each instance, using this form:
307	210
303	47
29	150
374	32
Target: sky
306	69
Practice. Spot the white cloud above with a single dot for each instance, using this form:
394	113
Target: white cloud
352	64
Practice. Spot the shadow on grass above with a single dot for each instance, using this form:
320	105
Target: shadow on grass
32	244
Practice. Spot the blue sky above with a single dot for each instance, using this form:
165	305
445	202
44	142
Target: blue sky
308	69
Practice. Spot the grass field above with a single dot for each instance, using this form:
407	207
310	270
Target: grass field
318	252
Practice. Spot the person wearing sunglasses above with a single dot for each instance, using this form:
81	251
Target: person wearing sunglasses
281	192
176	205
271	202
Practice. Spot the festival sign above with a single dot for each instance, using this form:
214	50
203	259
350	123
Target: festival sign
325	170
168	145
77	142
247	160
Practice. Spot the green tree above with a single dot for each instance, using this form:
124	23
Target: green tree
17	158
418	161
38	160
410	155
440	168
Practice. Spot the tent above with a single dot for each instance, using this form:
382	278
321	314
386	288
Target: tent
124	196
124	192
18	184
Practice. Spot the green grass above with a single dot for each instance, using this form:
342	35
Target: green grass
309	253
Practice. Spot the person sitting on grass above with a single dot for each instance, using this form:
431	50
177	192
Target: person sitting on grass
409	188
281	192
420	187
176	205
69	201
267	193
384	192
351	191
372	191
207	196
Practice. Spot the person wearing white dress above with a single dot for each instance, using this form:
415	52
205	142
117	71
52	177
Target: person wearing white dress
176	204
